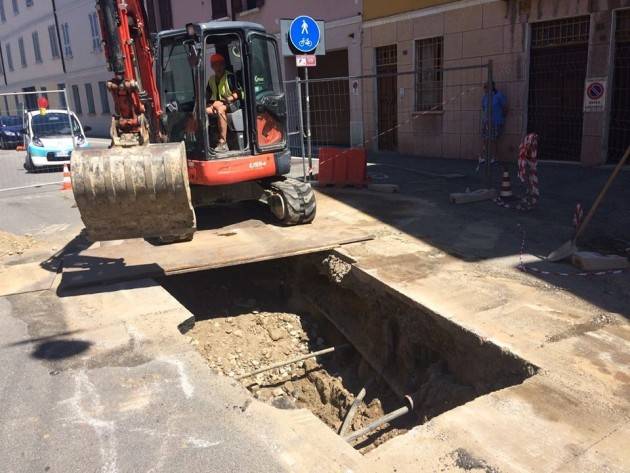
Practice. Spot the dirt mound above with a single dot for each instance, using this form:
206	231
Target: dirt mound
11	244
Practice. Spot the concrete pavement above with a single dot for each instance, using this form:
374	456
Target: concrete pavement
104	381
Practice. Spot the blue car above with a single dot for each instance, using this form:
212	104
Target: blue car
11	132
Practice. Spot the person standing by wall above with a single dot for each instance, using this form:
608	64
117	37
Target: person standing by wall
499	112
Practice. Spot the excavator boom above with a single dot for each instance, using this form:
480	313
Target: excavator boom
133	189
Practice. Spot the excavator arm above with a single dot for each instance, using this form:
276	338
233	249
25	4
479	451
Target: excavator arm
129	57
134	189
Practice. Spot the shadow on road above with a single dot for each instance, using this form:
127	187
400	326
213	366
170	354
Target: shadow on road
60	349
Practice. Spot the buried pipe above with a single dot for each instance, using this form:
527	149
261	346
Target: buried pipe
347	422
383	420
292	360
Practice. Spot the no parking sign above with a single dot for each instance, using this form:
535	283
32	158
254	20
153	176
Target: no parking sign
595	94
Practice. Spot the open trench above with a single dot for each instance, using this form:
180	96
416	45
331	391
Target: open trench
391	353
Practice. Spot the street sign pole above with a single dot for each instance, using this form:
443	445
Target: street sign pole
309	146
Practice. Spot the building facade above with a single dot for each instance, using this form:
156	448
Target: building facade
56	44
544	54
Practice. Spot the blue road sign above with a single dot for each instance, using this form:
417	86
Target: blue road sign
304	34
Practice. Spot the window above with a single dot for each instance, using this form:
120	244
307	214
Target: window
65	34
166	14
16	9
62	86
3	16
36	49
94	29
104	93
6	105
29	3
22	52
219	9
54	45
9	56
90	99
44	92
267	79
76	97
429	74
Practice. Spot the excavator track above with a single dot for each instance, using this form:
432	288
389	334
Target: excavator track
136	192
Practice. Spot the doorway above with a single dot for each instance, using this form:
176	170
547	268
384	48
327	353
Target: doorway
619	134
559	56
387	104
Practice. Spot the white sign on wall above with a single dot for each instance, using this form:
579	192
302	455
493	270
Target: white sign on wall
595	94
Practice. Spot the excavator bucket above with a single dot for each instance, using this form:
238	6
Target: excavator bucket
136	192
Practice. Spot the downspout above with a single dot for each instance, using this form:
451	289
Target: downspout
63	59
4	71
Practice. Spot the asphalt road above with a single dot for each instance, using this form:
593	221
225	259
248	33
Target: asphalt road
13	174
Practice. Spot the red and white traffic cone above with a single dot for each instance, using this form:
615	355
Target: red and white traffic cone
67	182
506	187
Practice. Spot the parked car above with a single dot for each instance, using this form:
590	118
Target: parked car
11	131
49	140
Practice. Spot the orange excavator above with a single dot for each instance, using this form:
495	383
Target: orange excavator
164	159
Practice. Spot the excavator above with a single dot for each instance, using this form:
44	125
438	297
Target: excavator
166	156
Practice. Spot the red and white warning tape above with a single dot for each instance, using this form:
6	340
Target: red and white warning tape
529	269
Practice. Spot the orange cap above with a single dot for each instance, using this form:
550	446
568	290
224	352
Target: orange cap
216	58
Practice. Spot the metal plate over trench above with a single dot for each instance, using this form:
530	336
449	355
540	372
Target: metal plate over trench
134	259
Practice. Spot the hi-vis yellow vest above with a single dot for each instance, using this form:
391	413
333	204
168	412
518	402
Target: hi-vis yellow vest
222	91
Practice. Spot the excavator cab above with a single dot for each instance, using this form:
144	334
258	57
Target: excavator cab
151	190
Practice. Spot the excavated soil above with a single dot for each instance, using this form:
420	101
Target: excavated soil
238	335
11	244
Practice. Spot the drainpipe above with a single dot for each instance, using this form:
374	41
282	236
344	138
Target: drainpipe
63	59
4	71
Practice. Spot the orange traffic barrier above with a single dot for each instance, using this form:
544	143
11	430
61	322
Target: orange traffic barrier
67	182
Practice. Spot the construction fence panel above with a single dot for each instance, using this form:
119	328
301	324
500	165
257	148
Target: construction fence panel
38	132
433	112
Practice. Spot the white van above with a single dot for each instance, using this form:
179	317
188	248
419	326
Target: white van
48	139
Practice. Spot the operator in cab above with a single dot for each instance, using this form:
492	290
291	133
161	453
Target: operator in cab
222	92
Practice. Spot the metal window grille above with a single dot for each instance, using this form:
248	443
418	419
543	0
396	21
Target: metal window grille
619	128
67	48
90	99
560	32
36	49
387	99
104	93
3	16
622	33
76	96
16	8
429	74
22	52
54	45
9	56
94	29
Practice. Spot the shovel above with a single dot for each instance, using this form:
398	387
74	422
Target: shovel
569	247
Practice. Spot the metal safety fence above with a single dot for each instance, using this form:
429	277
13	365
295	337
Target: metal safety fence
435	112
38	132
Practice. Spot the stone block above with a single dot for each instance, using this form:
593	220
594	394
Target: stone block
514	37
384	35
463	19
451	146
428	26
495	14
484	42
404	30
452	46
